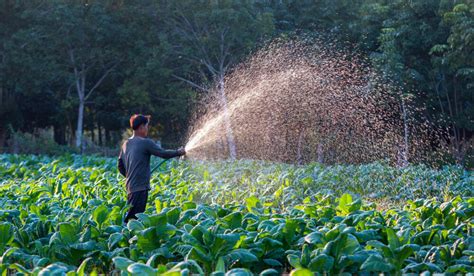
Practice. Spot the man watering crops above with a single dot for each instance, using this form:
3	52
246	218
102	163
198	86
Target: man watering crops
134	163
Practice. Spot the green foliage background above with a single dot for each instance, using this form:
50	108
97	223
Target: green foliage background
424	45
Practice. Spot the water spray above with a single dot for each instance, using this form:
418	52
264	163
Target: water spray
294	101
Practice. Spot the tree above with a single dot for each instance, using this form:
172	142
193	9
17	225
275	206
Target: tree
81	39
453	63
11	22
211	36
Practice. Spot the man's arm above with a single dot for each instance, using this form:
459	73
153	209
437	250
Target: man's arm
121	166
154	149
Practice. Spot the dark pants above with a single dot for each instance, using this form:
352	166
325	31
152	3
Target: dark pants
138	202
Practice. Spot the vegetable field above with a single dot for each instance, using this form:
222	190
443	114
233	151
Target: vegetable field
64	215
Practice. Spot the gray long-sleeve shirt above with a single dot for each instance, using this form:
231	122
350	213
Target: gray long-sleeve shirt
134	162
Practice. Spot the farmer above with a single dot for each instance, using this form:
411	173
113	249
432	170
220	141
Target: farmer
134	163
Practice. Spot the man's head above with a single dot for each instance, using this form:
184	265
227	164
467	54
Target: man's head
139	124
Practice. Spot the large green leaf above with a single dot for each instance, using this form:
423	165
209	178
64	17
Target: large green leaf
157	220
122	263
173	215
162	253
289	230
53	269
376	244
393	240
344	203
272	262
139	269
100	215
347	244
420	267
301	272
148	240
174	272
238	272
252	203
82	268
321	263
460	268
376	264
191	265
314	238
68	233
233	220
85	246
6	234
220	266
114	239
20	268
135	225
367	235
199	255
294	260
241	255
404	252
270	272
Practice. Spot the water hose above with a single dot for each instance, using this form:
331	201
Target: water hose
159	165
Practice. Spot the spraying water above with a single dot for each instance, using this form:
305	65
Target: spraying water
297	102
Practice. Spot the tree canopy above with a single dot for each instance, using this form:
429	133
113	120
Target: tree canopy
81	67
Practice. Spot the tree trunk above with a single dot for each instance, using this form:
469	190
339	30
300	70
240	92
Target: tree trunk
3	135
107	137
80	81
228	126
71	133
59	134
99	134
320	153
80	121
93	131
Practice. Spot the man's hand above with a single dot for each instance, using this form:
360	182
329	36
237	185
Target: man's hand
181	151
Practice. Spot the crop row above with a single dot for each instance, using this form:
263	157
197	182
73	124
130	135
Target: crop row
64	215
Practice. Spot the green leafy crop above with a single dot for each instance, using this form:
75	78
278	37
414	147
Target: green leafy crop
64	216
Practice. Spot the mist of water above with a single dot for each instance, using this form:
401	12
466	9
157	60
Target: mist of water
301	101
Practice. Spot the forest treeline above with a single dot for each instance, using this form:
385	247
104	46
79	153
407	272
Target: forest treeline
80	68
